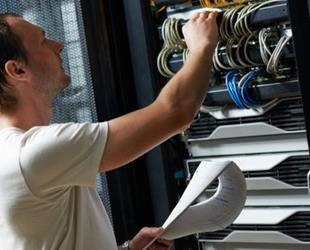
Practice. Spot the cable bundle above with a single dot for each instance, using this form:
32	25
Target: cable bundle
230	17
271	47
238	90
235	21
272	58
237	53
237	38
236	35
170	33
173	43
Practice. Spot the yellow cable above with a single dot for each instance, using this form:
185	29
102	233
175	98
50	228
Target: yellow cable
220	3
160	10
206	3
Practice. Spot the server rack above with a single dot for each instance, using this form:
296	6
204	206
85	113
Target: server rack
277	135
276	214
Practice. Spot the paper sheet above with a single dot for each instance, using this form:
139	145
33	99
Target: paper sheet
212	214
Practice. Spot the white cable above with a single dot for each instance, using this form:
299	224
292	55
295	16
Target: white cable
218	65
242	79
230	56
245	50
272	66
263	36
162	62
178	35
256	7
240	25
222	29
185	54
244	26
173	43
238	56
163	30
233	17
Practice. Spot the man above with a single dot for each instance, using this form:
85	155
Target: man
47	172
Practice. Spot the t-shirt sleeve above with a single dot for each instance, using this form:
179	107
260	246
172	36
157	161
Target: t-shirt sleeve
62	155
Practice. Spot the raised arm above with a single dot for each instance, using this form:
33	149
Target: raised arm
135	133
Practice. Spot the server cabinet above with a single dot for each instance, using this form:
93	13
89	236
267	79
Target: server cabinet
268	142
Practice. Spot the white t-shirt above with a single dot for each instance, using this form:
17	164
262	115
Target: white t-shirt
47	195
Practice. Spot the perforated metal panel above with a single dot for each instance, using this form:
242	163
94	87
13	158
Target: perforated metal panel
62	20
296	226
287	115
292	171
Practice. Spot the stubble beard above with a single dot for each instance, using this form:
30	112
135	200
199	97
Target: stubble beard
64	84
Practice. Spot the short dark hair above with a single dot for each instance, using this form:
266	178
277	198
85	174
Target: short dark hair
11	47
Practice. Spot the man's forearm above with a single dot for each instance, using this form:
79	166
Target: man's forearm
188	87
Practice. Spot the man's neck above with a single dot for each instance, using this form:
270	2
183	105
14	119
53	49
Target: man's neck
26	117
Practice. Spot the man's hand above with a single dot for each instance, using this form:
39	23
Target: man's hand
201	31
145	235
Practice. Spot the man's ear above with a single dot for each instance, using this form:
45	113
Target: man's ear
16	70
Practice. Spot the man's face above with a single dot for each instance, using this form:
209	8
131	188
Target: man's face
44	61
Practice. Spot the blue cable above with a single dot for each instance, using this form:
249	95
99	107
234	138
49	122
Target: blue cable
240	95
245	87
233	91
228	86
234	84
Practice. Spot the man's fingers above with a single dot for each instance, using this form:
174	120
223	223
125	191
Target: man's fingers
161	244
151	231
204	14
158	248
165	242
200	15
195	16
213	15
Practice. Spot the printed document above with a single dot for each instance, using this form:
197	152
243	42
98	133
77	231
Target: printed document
193	215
